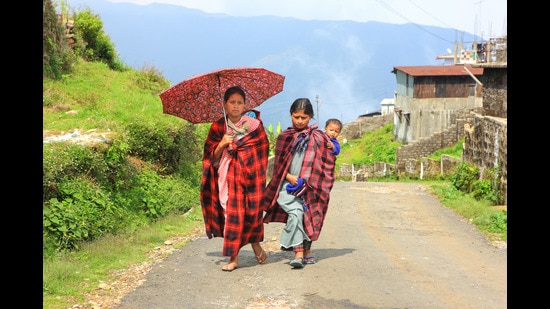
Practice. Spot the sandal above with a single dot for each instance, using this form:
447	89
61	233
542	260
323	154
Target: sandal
297	263
309	260
262	257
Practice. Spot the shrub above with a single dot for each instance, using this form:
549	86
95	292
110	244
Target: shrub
97	44
467	178
464	177
65	161
170	148
82	211
155	196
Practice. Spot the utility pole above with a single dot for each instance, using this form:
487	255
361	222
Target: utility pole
317	100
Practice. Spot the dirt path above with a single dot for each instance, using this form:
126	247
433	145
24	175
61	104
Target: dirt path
383	245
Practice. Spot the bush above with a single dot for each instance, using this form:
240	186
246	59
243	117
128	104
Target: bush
156	196
96	43
92	190
163	146
65	161
82	212
464	177
467	178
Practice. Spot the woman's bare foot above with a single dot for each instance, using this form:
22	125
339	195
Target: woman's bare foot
233	263
259	252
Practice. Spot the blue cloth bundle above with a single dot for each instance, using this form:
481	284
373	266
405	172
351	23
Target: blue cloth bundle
299	189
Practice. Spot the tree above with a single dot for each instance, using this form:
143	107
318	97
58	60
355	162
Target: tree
97	45
57	56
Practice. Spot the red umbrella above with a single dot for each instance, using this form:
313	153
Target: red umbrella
199	98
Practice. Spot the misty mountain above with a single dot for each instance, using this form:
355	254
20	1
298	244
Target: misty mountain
346	64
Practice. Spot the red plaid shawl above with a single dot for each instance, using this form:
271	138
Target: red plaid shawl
246	177
317	170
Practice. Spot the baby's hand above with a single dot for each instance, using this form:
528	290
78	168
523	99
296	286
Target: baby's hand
330	145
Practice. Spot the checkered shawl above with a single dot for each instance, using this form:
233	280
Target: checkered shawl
246	177
317	170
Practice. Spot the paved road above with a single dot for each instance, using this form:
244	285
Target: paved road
384	245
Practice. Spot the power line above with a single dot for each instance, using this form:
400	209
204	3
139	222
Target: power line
415	24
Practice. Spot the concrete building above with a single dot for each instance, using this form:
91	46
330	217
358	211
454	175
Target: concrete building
428	98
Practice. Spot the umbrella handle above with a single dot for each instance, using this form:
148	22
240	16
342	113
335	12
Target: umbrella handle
225	119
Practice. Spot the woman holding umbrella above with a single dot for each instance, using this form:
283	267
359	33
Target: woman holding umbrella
299	191
233	179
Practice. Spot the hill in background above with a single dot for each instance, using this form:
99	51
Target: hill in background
346	64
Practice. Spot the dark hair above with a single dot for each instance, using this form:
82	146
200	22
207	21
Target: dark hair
232	90
334	121
302	104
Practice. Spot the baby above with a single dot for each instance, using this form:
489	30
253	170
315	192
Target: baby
333	127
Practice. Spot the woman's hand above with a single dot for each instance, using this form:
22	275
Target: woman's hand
226	140
293	179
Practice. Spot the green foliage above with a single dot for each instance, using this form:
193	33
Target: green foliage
480	212
63	162
83	211
453	151
150	78
448	193
57	56
272	137
467	178
373	146
149	167
97	44
156	196
464	177
163	146
493	221
68	277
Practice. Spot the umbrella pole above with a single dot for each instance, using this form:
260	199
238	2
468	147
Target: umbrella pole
225	119
223	104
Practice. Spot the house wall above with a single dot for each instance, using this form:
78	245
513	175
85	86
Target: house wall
495	92
426	105
427	145
419	118
486	146
387	106
357	128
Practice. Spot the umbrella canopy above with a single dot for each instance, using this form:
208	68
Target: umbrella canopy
199	99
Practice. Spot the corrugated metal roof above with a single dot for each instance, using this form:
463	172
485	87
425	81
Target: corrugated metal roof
438	70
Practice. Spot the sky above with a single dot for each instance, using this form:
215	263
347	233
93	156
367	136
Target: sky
489	18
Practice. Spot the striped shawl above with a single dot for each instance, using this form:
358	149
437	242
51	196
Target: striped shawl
317	170
246	177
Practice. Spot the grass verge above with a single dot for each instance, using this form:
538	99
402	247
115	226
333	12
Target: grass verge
69	278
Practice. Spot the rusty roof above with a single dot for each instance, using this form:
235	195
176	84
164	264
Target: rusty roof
438	70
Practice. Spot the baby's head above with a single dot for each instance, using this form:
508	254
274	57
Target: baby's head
333	127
